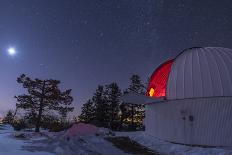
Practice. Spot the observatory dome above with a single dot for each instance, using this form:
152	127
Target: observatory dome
194	73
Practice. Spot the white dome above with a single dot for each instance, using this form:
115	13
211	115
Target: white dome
201	72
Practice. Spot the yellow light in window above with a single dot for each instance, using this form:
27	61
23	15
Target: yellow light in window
151	92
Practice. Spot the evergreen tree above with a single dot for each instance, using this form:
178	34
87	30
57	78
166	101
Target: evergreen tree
136	111
100	106
8	119
43	96
64	113
87	112
136	85
124	112
112	94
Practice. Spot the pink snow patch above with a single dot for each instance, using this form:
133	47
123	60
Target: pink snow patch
82	129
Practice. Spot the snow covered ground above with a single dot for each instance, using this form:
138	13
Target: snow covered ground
170	148
63	143
48	143
12	146
86	145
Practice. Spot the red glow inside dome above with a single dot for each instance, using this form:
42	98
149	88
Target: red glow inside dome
158	80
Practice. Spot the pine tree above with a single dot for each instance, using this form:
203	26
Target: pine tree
87	112
112	94
136	111
100	106
136	85
64	113
8	119
43	96
125	112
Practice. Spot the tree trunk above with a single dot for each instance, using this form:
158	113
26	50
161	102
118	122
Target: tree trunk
38	121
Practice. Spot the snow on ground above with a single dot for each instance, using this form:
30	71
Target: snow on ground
77	142
87	145
12	146
61	143
172	149
82	139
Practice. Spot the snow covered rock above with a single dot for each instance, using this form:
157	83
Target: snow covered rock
82	129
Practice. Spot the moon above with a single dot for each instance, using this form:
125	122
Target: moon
11	51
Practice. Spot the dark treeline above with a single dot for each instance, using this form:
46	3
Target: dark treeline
106	110
45	105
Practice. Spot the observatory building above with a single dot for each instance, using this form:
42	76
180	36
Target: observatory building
189	98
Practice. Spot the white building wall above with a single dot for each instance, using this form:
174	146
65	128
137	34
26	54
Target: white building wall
211	125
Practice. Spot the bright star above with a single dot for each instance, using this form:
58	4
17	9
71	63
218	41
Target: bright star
11	51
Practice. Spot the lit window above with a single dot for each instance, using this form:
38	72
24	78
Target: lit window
151	92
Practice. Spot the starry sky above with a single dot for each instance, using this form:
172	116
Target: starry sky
84	43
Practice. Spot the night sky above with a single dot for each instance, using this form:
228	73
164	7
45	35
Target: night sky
84	43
